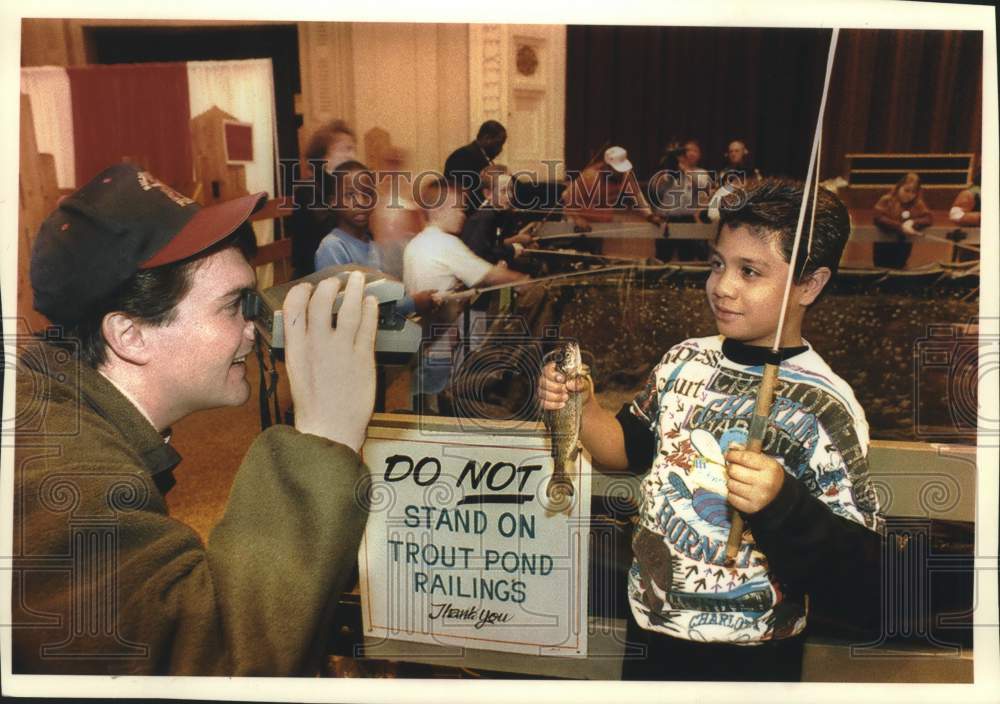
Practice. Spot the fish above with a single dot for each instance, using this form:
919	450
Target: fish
563	426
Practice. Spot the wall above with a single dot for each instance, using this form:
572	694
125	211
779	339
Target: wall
412	80
431	85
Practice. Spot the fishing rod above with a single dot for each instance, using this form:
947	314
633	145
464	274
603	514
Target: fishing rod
769	379
583	255
472	292
597	234
945	240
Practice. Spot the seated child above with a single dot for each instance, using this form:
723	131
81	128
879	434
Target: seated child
811	512
350	242
437	260
900	212
965	210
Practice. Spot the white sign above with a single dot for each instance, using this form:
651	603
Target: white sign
463	546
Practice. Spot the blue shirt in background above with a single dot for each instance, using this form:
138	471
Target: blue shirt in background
339	248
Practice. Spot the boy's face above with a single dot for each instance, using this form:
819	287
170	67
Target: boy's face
449	216
358	198
746	285
199	357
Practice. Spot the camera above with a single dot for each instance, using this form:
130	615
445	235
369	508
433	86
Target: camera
396	335
948	365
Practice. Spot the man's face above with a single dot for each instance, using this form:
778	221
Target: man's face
494	145
746	285
736	153
198	360
343	148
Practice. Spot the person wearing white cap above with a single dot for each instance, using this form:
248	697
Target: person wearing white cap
602	189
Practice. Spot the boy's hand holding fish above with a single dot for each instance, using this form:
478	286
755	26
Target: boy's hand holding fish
554	390
599	432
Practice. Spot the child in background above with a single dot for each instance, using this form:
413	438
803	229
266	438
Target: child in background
812	515
350	242
329	146
901	213
437	260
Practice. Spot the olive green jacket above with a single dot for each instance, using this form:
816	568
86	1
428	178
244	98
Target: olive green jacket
105	582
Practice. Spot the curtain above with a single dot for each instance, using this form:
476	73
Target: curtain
138	111
891	90
244	89
47	87
905	91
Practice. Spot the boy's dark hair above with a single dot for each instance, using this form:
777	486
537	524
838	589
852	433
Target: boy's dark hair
150	295
321	139
490	129
771	207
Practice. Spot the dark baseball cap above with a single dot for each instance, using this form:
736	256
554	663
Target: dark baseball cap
122	221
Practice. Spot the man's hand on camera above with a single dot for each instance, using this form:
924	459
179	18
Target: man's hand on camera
554	390
331	371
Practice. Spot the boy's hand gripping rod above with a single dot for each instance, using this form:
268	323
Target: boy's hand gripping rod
765	394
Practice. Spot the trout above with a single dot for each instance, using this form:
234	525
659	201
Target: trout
564	427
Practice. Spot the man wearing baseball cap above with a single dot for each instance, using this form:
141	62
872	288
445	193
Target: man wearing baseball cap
146	288
603	187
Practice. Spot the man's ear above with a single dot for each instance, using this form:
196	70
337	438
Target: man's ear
125	336
813	284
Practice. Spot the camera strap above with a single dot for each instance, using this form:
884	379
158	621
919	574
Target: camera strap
266	391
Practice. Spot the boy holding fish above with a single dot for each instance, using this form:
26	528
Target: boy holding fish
812	515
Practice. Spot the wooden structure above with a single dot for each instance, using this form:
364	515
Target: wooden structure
219	181
942	176
38	195
218	177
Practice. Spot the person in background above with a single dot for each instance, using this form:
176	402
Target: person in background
328	147
680	193
490	230
333	144
350	241
437	260
604	188
465	165
739	166
965	213
900	213
965	210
